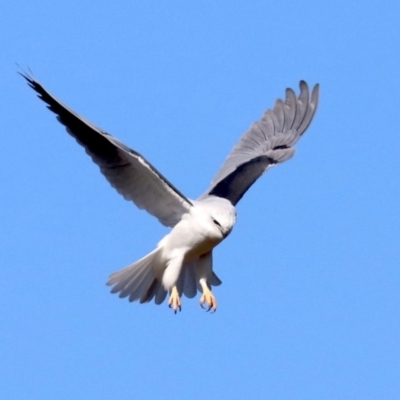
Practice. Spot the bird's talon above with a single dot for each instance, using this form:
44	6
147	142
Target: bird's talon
175	301
208	301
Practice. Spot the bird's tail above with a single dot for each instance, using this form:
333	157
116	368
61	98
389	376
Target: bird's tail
141	280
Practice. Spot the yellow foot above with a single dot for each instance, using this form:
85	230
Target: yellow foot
208	299
174	300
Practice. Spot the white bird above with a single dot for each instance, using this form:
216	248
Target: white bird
182	261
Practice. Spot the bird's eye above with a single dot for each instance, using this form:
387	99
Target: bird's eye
216	222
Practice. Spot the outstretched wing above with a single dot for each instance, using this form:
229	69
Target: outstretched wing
267	143
127	171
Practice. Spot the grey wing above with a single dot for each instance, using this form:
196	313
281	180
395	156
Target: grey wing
126	170
267	143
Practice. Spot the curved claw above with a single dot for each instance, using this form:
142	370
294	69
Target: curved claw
174	300
205	308
175	308
209	299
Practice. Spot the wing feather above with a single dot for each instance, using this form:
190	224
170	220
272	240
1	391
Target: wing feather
267	143
290	108
126	170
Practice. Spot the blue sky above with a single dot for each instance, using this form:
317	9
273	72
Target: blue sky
309	307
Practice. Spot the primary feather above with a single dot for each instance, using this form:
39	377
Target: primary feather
126	170
267	143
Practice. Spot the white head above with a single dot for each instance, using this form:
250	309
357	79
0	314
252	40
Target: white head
221	211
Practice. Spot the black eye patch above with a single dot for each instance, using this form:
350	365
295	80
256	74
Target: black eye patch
216	223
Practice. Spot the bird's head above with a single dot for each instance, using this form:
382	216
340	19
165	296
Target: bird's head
221	212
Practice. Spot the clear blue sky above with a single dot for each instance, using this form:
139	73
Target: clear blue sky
310	305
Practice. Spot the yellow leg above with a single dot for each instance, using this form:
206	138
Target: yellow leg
207	298
174	300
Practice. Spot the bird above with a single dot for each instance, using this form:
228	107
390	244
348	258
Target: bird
182	262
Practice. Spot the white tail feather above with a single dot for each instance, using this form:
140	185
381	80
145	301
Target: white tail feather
135	280
143	280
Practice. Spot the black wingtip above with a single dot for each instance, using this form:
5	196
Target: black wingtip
29	78
32	82
25	73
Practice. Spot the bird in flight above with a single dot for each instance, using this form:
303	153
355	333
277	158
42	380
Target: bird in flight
181	264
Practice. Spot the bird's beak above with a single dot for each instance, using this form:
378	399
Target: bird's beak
225	234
